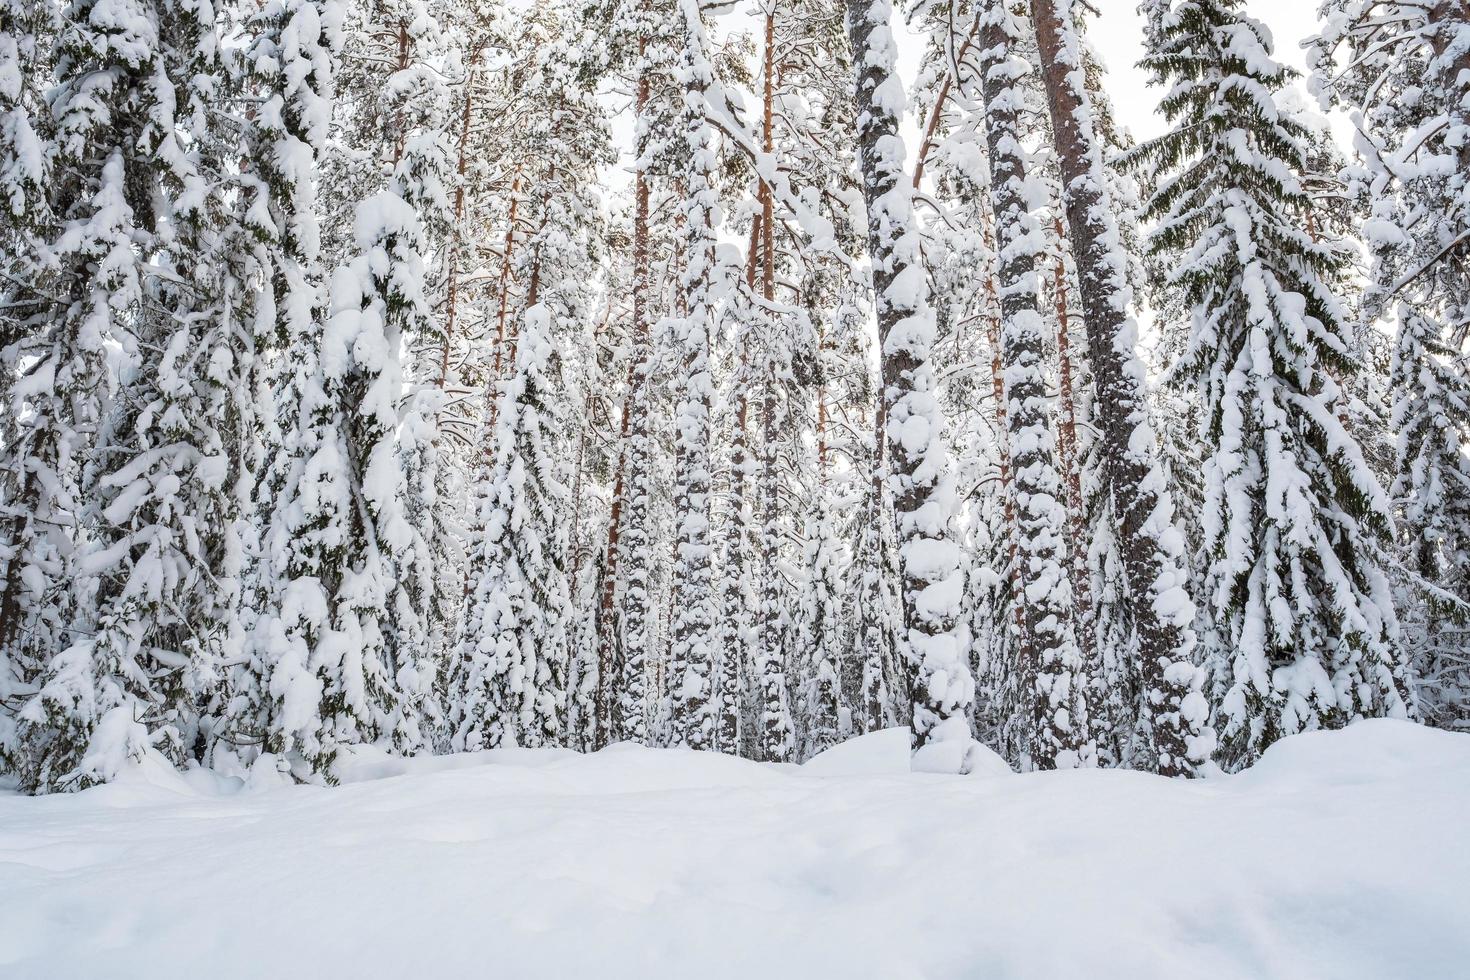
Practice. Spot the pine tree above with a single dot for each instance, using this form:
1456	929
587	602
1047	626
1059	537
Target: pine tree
1048	645
693	655
1155	583
919	469
1290	508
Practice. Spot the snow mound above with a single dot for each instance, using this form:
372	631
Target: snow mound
985	761
1369	750
1340	856
884	753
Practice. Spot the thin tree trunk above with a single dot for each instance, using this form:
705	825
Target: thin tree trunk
503	305
692	641
927	144
1008	498
608	659
1071	461
451	303
636	601
776	732
733	649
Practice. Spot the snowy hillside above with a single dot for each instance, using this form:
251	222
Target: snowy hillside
1339	855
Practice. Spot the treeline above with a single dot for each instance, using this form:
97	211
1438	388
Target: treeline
438	375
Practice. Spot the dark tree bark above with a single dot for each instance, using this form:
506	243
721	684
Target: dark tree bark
1155	583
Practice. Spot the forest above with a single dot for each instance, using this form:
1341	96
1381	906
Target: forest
431	376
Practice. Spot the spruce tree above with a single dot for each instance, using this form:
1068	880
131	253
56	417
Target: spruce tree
1291	511
1403	70
111	81
305	689
514	638
1431	414
169	493
28	539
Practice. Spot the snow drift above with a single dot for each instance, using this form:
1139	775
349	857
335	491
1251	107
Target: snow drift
1340	855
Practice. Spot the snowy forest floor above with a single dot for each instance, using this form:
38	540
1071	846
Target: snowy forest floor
1340	855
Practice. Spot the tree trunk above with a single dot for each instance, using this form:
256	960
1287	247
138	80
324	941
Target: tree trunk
776	725
1070	459
1047	651
451	301
692	653
919	467
1156	586
632	703
503	305
735	605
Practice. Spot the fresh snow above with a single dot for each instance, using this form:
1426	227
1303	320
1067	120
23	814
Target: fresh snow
1338	855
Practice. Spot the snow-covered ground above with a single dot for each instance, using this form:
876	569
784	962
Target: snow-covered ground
1340	855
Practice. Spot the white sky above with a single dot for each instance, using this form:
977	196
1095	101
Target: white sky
1118	37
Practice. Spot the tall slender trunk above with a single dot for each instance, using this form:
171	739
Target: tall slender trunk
404	47
1008	491
1086	624
1172	706
1048	649
919	468
461	166
579	546
733	648
692	623
876	655
502	306
632	703
775	721
608	647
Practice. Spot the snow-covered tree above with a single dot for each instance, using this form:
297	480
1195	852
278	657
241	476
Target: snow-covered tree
514	638
28	536
1402	70
918	465
1173	707
1048	647
1431	414
825	620
112	85
316	678
1290	512
693	657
